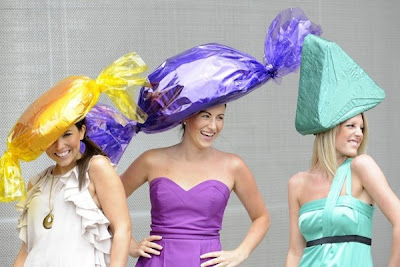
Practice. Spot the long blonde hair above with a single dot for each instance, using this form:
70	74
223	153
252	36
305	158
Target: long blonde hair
324	151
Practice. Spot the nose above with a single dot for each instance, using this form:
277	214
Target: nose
58	144
359	131
212	125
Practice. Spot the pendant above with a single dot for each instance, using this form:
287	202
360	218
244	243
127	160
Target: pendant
48	220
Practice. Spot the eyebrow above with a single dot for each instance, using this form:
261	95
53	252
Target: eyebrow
203	111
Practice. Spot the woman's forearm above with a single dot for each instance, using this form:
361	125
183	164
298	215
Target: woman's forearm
258	229
395	255
120	247
293	258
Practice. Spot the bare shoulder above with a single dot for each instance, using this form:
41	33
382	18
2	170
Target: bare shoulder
101	169
298	179
362	161
298	185
151	155
364	164
99	163
148	162
155	153
365	169
234	160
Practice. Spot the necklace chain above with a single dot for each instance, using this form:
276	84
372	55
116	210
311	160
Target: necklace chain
51	189
48	220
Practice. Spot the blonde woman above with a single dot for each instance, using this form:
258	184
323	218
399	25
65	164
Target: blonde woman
331	205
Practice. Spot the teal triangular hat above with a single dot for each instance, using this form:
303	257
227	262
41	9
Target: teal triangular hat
332	89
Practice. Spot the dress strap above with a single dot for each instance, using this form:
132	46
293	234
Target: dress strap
334	193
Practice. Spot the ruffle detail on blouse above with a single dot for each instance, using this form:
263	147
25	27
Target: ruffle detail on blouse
23	206
94	222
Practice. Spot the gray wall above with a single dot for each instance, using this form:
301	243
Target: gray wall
42	42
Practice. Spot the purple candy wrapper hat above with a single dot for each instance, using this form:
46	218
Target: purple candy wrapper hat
110	130
213	74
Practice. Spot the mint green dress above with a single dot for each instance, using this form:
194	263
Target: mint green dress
337	216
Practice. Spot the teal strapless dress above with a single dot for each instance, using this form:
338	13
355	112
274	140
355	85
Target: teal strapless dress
337	216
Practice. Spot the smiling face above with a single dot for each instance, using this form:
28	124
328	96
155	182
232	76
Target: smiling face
65	150
349	137
203	128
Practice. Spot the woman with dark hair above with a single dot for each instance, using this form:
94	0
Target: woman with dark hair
75	212
190	182
75	201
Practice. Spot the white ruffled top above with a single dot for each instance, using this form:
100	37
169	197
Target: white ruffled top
79	235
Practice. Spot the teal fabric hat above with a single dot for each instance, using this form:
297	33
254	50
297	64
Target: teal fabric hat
332	89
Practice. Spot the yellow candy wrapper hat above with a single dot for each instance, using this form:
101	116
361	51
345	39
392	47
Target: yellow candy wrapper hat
332	88
68	102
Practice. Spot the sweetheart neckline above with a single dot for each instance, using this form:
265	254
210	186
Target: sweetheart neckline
193	187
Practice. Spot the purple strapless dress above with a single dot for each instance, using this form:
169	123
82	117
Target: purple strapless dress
189	221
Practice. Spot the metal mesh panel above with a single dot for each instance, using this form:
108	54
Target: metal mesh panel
44	41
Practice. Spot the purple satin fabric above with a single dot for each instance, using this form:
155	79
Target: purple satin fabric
189	221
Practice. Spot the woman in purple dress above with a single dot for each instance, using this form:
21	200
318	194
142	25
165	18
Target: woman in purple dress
190	182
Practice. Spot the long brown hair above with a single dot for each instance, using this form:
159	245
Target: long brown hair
91	149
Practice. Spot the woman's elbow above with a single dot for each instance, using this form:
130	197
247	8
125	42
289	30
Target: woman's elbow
264	221
267	219
123	228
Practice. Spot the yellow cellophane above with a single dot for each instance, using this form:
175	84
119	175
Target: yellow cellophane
49	116
10	189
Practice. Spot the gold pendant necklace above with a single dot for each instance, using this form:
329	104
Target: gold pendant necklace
48	220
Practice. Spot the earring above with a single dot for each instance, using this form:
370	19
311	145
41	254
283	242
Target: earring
184	122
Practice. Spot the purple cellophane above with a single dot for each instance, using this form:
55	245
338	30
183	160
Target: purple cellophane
285	38
202	77
213	74
110	130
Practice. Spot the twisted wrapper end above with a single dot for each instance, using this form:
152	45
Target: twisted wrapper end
118	82
12	185
284	42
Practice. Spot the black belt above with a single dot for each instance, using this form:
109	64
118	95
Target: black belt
339	239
